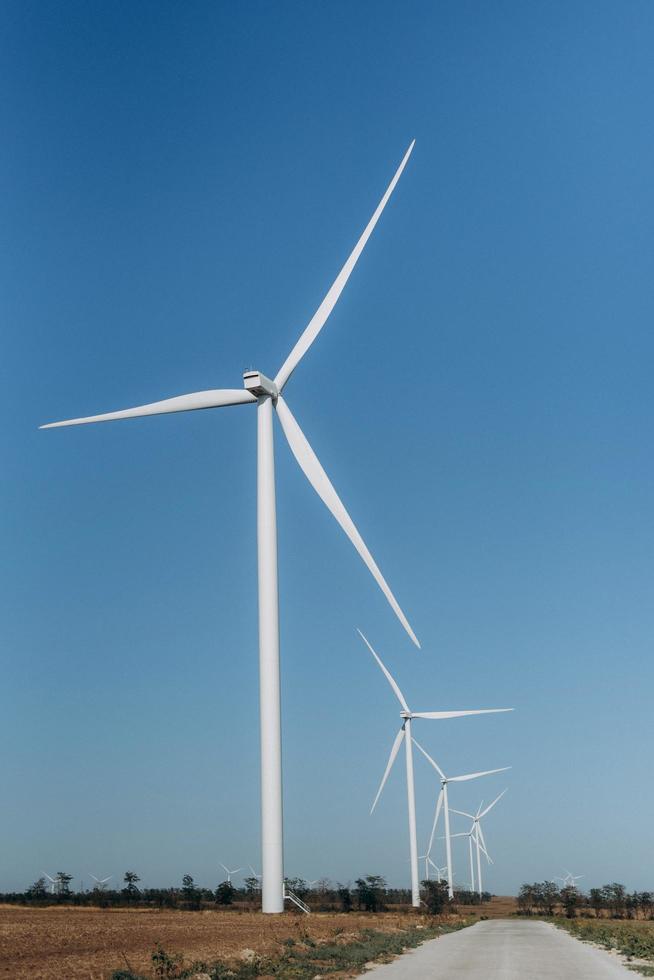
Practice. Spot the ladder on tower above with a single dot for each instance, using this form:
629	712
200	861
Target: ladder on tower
290	896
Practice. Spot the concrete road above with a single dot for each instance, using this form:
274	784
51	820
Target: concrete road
504	949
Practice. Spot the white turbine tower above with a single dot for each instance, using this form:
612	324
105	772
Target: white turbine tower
405	734
267	395
477	834
52	881
233	871
100	882
442	803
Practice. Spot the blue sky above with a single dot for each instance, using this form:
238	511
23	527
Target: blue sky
181	184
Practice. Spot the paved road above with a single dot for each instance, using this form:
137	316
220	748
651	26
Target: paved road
504	949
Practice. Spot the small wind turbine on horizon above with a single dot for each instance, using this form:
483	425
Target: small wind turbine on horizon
100	883
266	394
235	871
442	803
570	880
52	881
404	734
477	834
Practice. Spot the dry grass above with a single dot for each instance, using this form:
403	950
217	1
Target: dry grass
61	943
67	943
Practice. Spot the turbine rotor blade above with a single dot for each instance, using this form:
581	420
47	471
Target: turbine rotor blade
490	807
319	318
437	813
218	398
482	843
391	680
389	765
430	760
458	714
315	474
461	813
475	775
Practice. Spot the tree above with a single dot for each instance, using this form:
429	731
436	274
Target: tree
224	894
62	884
436	896
597	900
131	889
345	897
370	893
38	889
526	899
570	899
615	897
190	892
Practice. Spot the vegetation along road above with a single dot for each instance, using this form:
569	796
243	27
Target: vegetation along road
504	950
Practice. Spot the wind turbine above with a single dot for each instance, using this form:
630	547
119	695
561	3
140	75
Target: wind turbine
267	395
442	804
52	881
478	834
570	880
405	734
100	882
235	871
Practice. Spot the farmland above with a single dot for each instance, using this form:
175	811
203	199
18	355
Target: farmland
89	944
633	938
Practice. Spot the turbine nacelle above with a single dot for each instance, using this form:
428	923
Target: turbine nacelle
260	385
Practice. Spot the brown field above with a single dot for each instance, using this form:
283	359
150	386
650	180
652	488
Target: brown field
61	943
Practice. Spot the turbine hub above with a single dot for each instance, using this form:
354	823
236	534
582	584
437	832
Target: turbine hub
259	384
406	715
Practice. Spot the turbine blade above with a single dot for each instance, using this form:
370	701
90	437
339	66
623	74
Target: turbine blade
437	813
387	674
475	775
429	759
490	807
218	398
319	318
389	765
457	714
461	813
310	466
482	843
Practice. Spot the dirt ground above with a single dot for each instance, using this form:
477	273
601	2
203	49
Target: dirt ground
61	943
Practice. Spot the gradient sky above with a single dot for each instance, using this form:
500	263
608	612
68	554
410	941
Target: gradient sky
180	185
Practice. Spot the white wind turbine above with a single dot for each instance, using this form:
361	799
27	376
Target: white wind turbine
405	734
443	804
570	880
472	839
231	872
52	881
477	834
266	394
100	882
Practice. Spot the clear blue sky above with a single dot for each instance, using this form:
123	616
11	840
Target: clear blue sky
180	185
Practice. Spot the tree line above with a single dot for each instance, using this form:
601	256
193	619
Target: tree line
370	893
610	901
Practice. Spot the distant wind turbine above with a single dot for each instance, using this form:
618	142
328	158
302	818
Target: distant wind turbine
477	834
570	880
52	881
235	871
405	734
442	803
267	395
100	883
